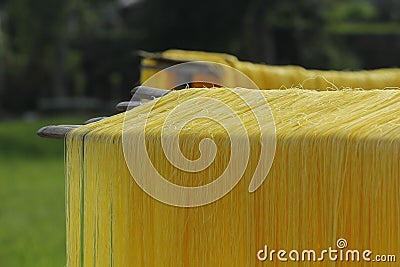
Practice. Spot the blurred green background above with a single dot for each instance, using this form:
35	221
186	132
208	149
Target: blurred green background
32	221
65	61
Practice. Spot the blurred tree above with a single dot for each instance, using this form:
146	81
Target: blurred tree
203	25
280	32
38	54
390	9
84	47
258	40
352	11
33	29
2	59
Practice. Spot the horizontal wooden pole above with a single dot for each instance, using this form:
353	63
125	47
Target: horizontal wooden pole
123	106
140	92
56	131
94	120
145	92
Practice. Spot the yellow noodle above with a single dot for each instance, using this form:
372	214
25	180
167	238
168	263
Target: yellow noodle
335	175
73	198
273	77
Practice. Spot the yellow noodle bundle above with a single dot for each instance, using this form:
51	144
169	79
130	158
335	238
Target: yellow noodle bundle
273	77
335	177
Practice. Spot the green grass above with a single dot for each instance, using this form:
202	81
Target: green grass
32	218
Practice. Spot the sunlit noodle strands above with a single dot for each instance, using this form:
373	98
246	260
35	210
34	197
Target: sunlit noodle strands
335	174
275	77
